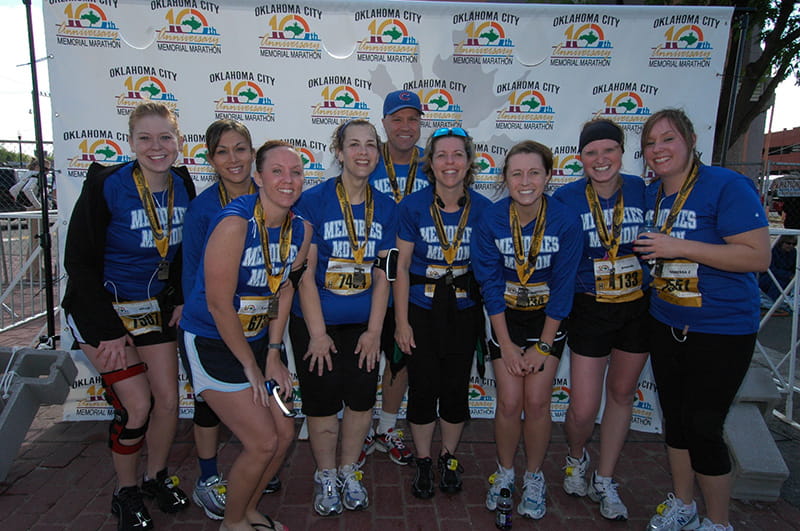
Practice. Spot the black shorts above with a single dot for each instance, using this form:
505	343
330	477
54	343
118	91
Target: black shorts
438	382
525	329
167	334
210	363
387	333
595	328
345	385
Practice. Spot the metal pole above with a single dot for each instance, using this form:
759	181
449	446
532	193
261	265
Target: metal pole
44	236
737	68
19	140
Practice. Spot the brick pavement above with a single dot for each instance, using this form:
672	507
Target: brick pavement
62	480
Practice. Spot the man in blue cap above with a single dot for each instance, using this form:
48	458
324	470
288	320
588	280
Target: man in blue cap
398	173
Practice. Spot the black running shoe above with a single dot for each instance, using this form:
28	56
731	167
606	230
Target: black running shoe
274	485
128	506
449	473
169	498
422	486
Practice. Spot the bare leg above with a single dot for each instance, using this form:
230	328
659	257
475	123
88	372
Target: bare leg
451	436
206	440
538	425
423	435
323	433
682	474
717	495
355	425
393	391
508	415
586	375
162	363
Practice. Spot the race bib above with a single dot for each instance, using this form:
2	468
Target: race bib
675	281
438	271
347	277
618	281
255	313
139	317
529	297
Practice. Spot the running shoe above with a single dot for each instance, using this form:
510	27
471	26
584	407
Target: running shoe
449	473
501	479
128	506
368	448
422	486
604	491
273	486
392	443
575	475
674	515
164	488
534	494
354	494
326	493
209	495
708	525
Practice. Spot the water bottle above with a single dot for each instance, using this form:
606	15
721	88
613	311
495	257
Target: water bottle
648	226
502	519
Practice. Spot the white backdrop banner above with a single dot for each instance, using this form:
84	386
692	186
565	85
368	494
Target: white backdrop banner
293	71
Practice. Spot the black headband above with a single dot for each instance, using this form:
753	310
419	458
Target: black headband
599	130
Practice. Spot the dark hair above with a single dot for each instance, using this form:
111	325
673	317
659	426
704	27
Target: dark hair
261	154
682	124
530	146
599	129
469	147
152	108
337	140
218	128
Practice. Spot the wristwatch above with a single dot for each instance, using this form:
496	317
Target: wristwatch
543	348
280	347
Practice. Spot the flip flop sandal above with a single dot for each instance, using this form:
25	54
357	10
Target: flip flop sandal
271	525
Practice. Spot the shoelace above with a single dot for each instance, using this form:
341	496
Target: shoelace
572	465
396	438
608	489
500	478
352	482
534	488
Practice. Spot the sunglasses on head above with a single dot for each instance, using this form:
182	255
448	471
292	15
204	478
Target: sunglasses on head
450	131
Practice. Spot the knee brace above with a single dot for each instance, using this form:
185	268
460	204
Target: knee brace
204	416
117	430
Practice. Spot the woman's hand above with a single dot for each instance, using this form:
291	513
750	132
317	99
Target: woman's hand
368	349
111	353
256	379
319	350
512	356
277	371
658	245
404	337
534	360
176	315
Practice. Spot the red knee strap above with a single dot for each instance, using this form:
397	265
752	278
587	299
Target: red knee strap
117	430
110	378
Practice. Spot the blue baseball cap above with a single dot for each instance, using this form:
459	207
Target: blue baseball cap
401	99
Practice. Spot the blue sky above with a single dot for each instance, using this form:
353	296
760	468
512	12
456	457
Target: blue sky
15	83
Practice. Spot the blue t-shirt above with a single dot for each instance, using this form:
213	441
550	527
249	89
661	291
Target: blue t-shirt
723	203
555	265
417	227
319	206
202	210
380	180
131	259
252	279
574	196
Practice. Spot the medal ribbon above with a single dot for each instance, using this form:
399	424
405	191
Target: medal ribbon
683	195
347	212
610	241
161	238
224	198
390	172
526	262
285	240
450	250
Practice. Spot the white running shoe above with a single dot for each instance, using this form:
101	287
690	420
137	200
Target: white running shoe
674	515
501	479
604	491
354	494
326	493
534	494
575	475
708	525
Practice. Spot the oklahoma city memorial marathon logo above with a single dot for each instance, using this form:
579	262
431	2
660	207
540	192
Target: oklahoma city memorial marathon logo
488	159
86	24
341	101
289	34
527	106
624	104
585	42
187	30
244	98
194	156
95	145
144	83
684	43
389	39
438	99
310	151
567	166
486	41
